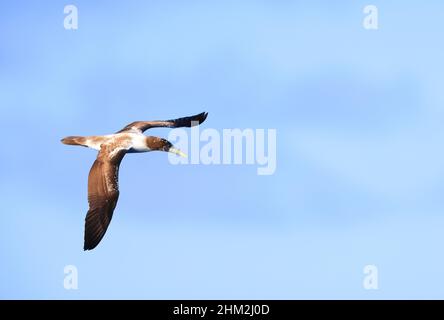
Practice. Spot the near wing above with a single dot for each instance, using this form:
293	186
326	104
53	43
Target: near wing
141	126
103	193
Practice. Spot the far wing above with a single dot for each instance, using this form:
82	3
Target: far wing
141	126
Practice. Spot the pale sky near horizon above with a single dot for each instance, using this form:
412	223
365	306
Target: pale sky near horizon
360	165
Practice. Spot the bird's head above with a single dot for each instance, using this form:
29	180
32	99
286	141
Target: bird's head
160	144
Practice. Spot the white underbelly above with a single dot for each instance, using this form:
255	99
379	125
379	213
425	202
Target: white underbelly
138	143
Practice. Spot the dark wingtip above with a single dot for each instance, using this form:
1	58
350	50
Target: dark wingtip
90	244
87	247
192	120
202	116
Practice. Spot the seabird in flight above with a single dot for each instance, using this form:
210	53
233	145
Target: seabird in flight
103	186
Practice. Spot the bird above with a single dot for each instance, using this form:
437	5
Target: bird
103	180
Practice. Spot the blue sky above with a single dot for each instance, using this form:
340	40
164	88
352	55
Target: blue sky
359	176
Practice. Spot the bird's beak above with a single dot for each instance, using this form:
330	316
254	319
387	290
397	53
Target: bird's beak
178	152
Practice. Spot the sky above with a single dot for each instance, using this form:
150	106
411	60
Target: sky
359	160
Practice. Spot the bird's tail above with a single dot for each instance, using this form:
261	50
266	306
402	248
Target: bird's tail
74	141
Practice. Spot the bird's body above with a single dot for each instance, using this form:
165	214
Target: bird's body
131	142
136	142
103	186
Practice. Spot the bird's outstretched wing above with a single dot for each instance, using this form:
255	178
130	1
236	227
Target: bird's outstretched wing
103	193
141	126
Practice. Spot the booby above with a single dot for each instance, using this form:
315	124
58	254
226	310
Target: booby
103	185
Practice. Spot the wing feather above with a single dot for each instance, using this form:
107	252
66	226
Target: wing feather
103	193
141	126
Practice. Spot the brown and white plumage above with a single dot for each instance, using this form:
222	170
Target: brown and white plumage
103	185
